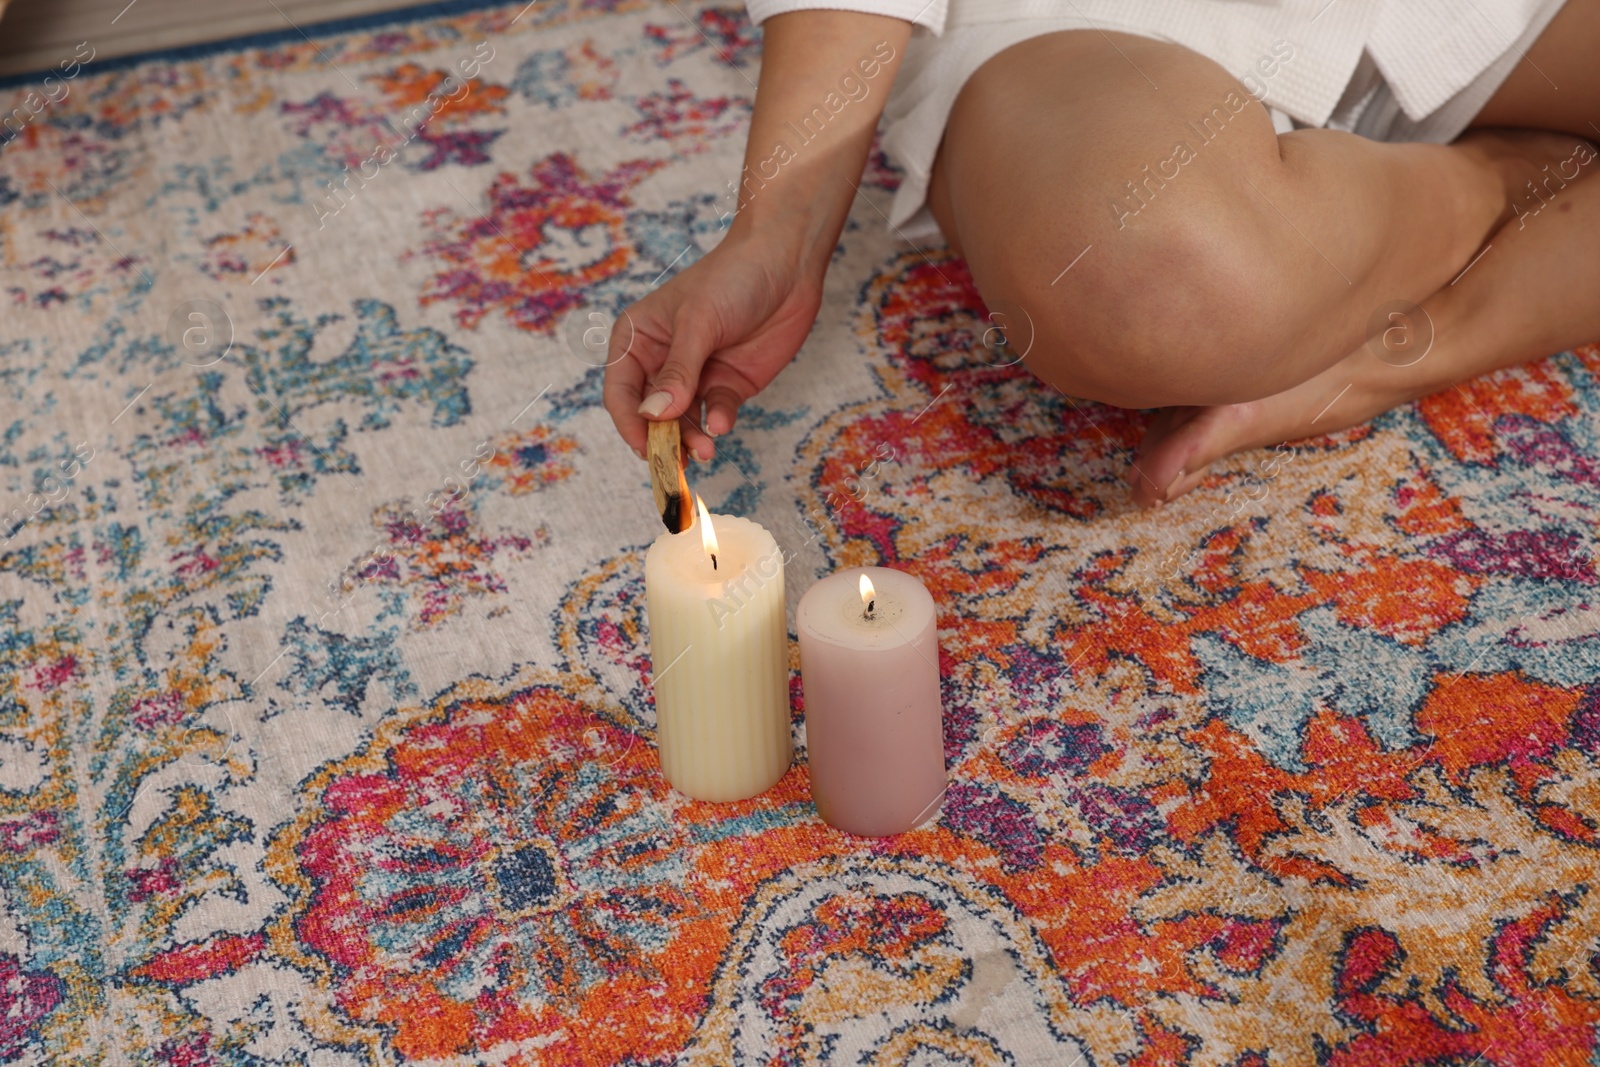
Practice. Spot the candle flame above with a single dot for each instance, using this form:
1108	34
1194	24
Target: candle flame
868	593
708	536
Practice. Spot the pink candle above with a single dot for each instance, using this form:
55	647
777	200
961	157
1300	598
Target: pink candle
869	662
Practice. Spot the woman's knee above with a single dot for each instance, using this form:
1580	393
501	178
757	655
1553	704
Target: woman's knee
1184	303
1129	238
1183	311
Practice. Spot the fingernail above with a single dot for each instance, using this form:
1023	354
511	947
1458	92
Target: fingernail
1166	494
639	452
656	404
704	457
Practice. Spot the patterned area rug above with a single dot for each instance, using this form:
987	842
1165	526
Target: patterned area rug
325	713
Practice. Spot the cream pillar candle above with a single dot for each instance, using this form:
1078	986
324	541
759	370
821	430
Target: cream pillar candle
869	663
719	656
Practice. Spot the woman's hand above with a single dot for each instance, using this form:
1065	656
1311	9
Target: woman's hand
716	334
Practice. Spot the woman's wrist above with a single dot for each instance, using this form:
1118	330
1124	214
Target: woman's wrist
825	76
801	234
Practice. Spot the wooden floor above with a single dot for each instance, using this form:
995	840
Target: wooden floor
36	35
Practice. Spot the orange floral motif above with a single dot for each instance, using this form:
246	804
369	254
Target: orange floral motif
1409	600
468	939
532	460
249	253
411	83
1589	356
536	248
1507	720
1540	1025
1424	510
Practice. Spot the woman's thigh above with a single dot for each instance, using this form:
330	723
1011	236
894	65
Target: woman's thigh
1556	86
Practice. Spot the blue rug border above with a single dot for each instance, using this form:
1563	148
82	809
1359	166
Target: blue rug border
332	27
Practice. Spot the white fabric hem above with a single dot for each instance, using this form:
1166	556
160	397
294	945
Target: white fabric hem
925	15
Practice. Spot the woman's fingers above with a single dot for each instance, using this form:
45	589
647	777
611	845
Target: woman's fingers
656	380
724	386
723	390
633	351
695	438
722	408
674	386
624	385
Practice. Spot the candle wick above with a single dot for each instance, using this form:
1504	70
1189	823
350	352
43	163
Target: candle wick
713	561
872	607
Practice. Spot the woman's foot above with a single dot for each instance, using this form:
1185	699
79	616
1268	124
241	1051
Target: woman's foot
1181	443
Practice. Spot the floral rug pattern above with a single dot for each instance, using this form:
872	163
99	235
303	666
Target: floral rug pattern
325	705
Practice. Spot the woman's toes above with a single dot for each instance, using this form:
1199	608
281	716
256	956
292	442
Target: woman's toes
1180	444
1162	453
1184	481
1174	444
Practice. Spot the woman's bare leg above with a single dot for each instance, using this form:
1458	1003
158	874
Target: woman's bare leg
1211	260
1529	295
1557	84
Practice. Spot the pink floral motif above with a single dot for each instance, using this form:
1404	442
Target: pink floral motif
26	997
441	559
679	114
36	828
726	30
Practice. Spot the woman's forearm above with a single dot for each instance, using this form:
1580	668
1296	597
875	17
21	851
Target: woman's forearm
824	78
717	332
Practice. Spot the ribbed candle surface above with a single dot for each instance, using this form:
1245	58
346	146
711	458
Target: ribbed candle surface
719	659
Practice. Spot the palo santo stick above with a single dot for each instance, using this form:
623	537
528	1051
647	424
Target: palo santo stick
671	488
